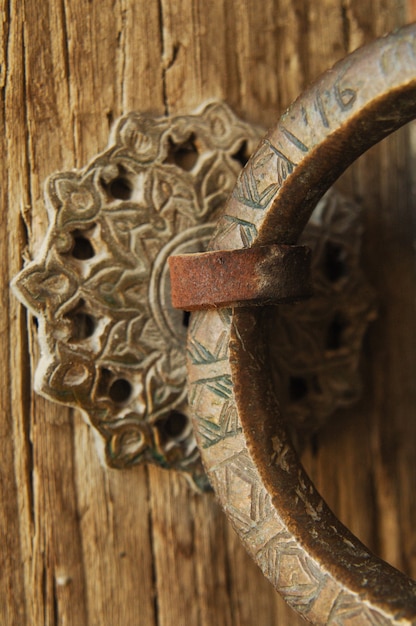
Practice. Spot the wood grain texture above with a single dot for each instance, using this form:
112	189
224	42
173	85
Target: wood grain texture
83	544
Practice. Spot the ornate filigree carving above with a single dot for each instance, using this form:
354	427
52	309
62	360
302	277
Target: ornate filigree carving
111	343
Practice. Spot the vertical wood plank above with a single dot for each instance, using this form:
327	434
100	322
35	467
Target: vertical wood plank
115	526
15	482
61	123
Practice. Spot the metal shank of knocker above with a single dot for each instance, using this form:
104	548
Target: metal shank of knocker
319	567
233	277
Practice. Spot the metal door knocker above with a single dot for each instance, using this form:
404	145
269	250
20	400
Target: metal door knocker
113	345
319	567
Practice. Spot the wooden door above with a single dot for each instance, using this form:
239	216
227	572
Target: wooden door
83	544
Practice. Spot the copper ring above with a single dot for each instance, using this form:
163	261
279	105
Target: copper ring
319	567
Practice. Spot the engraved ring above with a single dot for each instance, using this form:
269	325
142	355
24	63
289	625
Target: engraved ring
319	567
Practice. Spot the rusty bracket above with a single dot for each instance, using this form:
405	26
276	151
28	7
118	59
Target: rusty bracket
252	276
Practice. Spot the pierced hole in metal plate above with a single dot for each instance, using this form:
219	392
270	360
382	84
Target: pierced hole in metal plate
175	425
83	324
335	332
82	249
185	318
120	188
120	390
242	155
184	155
298	388
335	265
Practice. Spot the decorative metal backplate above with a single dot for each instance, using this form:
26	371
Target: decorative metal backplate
111	343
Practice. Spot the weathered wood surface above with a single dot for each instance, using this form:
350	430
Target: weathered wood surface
82	544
